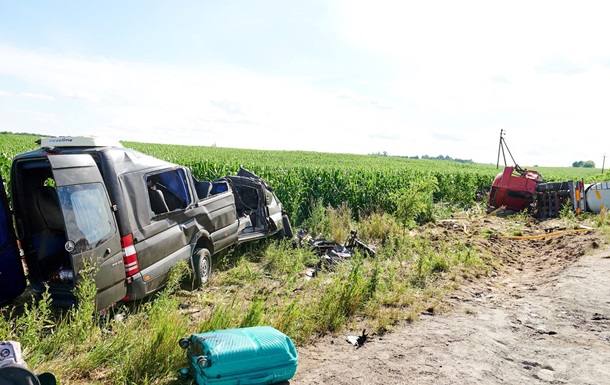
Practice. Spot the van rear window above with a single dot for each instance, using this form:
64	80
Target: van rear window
87	214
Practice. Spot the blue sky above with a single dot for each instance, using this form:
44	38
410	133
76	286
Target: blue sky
405	77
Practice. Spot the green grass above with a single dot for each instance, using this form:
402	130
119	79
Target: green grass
258	284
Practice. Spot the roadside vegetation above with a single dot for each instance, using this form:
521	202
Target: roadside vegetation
409	210
263	284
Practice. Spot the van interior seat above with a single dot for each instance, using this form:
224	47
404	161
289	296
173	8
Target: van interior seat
48	205
157	201
49	236
203	189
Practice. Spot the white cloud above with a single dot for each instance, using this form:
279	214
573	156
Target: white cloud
5	93
349	94
87	96
346	93
538	69
36	96
41	117
227	106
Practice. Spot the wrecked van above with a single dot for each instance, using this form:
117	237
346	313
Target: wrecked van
85	201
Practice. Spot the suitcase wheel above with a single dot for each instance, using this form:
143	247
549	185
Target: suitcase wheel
202	362
184	343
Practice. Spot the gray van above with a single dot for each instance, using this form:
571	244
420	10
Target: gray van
82	201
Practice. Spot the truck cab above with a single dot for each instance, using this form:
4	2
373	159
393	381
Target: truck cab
86	202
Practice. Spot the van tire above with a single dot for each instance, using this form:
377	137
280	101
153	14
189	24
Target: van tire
202	266
287	231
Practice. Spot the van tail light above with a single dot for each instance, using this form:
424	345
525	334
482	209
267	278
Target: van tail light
130	258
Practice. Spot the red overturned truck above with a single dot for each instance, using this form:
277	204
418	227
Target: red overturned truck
518	189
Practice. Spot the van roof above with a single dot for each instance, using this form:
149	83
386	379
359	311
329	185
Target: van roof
79	141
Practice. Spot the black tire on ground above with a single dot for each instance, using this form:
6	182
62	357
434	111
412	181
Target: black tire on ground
202	266
288	233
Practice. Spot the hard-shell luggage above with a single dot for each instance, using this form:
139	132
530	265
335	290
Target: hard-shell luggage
254	355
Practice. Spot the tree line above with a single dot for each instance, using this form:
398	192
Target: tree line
585	164
439	157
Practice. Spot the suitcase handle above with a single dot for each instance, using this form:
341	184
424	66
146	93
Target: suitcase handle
255	381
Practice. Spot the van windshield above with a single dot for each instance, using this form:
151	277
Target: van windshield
87	214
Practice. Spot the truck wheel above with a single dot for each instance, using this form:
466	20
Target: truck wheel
202	264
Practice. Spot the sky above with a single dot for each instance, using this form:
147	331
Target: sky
345	76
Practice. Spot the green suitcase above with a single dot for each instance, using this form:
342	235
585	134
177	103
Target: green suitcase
254	355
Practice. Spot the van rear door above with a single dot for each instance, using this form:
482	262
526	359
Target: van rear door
12	276
93	237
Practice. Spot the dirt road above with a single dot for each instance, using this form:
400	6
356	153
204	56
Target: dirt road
527	327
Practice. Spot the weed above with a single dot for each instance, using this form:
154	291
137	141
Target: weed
438	264
413	204
255	313
517	231
340	220
377	227
567	211
318	221
373	282
523	217
488	232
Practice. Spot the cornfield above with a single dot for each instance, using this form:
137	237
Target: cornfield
302	179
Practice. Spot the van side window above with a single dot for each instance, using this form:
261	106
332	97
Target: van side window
168	191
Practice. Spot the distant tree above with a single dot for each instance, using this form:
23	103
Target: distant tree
585	164
385	153
427	157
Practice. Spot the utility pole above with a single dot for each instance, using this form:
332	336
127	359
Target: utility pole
501	149
603	163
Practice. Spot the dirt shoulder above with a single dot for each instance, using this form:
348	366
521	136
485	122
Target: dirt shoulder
544	318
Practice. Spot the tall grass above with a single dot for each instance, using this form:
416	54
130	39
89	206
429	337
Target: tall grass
80	346
259	284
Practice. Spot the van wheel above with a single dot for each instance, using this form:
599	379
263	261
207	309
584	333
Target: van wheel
287	232
202	264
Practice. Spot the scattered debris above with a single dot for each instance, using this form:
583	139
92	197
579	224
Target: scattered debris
331	252
454	223
310	273
358	341
599	317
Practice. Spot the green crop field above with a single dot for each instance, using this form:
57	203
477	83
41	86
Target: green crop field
301	178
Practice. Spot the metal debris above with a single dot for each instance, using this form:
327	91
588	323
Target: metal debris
358	341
